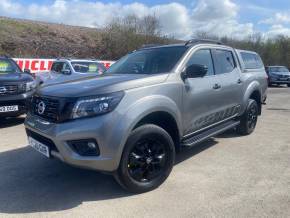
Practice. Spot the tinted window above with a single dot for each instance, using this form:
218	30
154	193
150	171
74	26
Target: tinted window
58	67
224	61
252	61
88	67
7	66
149	61
202	57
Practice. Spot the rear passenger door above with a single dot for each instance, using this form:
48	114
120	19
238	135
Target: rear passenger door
230	83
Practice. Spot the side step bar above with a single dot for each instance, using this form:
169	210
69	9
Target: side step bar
199	137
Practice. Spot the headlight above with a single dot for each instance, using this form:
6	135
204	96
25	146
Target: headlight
97	105
30	86
274	75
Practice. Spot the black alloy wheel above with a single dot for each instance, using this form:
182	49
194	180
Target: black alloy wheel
248	120
147	159
252	117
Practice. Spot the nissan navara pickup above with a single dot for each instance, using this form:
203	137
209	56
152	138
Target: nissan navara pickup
151	103
16	87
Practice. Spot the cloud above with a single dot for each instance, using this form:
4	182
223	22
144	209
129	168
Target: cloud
257	9
278	30
278	18
278	24
217	17
207	10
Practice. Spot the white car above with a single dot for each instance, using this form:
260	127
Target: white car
70	69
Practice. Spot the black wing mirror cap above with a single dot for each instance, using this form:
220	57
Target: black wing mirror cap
195	71
28	71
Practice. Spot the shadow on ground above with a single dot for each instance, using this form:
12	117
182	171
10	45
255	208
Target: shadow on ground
31	183
10	122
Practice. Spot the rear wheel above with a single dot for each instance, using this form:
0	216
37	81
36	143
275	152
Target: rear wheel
249	118
147	159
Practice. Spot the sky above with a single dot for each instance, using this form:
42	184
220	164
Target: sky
179	18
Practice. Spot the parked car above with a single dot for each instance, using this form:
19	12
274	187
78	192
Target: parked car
15	88
148	105
70	69
278	75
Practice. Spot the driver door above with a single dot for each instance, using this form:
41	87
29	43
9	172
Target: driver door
200	95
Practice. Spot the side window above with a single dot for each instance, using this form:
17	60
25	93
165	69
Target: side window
66	67
202	57
57	67
251	60
224	61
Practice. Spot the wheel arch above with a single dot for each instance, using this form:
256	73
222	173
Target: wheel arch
164	120
254	92
146	110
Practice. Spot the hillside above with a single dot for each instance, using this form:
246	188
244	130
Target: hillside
24	38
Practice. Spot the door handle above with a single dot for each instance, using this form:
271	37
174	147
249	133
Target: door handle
217	86
239	81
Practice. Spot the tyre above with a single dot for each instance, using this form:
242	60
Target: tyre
147	159
249	119
288	84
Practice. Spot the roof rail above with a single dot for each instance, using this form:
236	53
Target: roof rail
196	41
150	45
63	58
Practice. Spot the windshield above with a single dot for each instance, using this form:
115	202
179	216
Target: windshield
88	67
278	69
8	66
149	61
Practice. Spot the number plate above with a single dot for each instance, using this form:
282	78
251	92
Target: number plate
12	108
43	149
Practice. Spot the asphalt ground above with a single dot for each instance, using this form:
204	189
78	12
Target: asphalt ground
227	176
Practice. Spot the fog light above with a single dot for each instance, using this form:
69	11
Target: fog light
85	147
92	145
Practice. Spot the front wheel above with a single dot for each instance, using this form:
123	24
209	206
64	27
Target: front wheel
288	84
147	159
249	119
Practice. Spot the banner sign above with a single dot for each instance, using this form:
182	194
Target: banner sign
43	65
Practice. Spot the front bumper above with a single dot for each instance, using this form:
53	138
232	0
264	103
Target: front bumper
20	100
57	137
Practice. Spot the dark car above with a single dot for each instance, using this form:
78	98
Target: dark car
15	88
278	75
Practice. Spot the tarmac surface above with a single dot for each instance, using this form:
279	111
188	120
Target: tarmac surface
228	176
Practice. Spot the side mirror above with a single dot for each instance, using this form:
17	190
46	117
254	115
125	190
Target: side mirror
66	72
27	71
195	71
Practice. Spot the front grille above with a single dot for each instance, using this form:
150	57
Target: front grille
12	89
47	108
284	76
46	141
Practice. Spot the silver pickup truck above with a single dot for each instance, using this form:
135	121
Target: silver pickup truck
131	120
65	70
